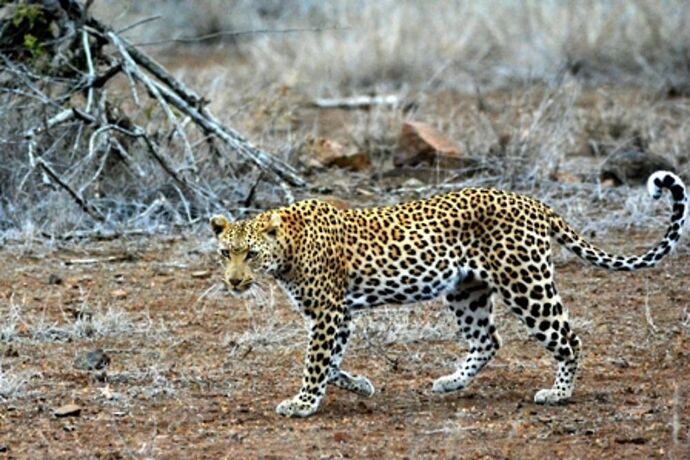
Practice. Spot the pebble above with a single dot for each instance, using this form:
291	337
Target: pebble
68	410
92	361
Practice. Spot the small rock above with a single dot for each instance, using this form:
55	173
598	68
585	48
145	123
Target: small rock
340	436
108	394
118	294
608	183
68	410
201	274
54	279
79	313
335	202
633	166
358	161
566	178
23	329
320	152
638	440
92	361
413	183
4	448
11	352
422	143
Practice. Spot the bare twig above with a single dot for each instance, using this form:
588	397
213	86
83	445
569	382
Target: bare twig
152	88
210	124
647	310
127	257
238	33
81	201
139	23
92	73
126	158
152	66
61	117
357	102
98	81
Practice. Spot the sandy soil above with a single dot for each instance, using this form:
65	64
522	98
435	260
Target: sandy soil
195	373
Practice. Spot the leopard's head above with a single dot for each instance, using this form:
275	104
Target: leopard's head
247	247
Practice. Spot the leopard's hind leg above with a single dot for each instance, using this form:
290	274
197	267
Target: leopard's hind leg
533	298
472	304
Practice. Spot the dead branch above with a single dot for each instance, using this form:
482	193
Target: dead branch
126	257
188	102
153	90
67	100
357	102
81	201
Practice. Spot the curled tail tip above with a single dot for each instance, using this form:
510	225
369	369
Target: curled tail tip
661	180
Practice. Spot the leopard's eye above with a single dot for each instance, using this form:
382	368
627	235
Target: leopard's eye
224	253
251	254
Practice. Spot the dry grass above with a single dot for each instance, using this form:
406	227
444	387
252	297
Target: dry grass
77	324
526	89
529	90
11	385
455	44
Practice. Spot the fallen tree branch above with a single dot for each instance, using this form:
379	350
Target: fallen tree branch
188	102
102	145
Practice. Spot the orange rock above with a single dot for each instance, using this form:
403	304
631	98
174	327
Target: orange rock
335	201
23	329
422	143
359	161
566	178
119	294
325	152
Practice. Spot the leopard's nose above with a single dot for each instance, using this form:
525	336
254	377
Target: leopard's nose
234	282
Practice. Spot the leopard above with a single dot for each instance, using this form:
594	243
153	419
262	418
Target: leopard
471	247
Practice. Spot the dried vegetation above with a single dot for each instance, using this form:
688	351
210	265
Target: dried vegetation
105	188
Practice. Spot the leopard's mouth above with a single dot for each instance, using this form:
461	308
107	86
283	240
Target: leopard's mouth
239	288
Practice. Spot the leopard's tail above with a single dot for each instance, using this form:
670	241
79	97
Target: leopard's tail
656	183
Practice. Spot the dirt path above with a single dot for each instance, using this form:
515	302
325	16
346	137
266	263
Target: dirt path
196	373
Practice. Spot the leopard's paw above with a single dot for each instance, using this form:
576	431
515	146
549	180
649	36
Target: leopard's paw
296	407
550	396
449	383
362	386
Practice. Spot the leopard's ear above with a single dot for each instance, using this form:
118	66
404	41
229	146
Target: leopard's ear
218	224
274	223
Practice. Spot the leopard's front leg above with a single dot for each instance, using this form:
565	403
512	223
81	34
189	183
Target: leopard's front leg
340	378
317	364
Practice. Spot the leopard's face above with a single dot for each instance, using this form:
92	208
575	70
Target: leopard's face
247	248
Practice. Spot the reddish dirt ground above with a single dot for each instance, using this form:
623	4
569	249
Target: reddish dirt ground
184	382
